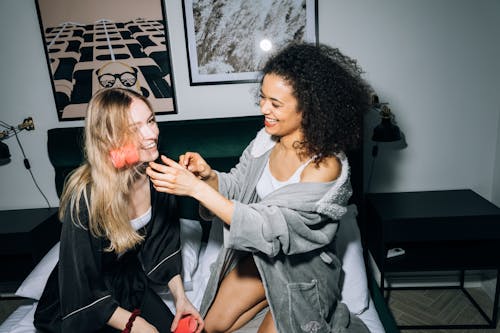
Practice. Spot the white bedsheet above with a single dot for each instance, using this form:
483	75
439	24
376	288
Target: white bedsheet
20	321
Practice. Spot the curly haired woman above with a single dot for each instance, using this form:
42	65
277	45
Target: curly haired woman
282	202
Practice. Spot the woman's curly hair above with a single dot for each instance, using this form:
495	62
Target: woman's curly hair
330	92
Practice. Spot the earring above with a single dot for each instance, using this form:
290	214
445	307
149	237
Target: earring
124	156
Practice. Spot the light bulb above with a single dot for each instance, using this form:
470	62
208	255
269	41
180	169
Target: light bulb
265	45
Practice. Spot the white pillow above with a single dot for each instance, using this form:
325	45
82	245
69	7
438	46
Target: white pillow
33	285
355	293
191	232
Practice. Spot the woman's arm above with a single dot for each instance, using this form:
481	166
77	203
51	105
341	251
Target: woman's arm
174	179
80	279
160	254
183	306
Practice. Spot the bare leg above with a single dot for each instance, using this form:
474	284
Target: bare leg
267	325
240	296
247	316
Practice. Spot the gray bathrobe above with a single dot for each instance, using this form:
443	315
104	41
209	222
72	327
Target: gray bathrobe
290	233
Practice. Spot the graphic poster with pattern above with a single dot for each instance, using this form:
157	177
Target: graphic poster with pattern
98	44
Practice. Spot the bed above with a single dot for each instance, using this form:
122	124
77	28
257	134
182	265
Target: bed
221	142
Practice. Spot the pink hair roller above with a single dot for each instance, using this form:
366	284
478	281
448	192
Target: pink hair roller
123	156
186	325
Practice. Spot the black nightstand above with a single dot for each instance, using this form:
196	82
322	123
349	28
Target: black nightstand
439	230
25	237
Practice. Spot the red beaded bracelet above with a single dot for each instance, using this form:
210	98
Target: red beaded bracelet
130	322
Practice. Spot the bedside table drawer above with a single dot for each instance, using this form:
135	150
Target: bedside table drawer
441	229
435	256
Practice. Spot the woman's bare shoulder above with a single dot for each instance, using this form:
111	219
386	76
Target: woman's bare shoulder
328	170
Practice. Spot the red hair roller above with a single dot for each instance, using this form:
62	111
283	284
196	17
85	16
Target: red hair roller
186	325
126	155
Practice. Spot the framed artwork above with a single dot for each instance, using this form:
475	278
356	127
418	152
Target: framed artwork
228	41
97	44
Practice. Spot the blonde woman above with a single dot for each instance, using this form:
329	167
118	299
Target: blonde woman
120	237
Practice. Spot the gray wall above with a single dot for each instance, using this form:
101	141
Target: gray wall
495	197
434	61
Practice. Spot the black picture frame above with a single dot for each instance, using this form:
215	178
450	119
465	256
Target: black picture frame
223	37
90	45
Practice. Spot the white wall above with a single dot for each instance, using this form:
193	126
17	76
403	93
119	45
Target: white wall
434	61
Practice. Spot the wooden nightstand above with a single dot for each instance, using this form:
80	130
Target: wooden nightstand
454	230
25	237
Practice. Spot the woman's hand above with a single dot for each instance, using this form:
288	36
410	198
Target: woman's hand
175	179
196	164
172	178
183	307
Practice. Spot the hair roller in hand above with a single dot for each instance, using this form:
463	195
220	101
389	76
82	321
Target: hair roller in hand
186	325
124	156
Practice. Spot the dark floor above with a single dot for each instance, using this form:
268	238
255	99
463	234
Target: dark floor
440	307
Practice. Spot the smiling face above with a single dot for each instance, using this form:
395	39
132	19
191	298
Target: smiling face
144	124
280	108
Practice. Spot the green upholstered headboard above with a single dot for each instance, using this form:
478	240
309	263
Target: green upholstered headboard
220	141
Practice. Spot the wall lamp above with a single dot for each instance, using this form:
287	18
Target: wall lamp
10	131
386	133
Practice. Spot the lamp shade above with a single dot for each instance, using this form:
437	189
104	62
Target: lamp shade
4	153
386	131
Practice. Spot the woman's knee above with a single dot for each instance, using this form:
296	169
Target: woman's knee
217	324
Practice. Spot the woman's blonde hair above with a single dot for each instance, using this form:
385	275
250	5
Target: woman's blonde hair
103	188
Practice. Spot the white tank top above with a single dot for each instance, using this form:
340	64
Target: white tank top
267	183
142	220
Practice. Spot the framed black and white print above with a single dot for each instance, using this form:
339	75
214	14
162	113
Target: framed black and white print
228	41
97	44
